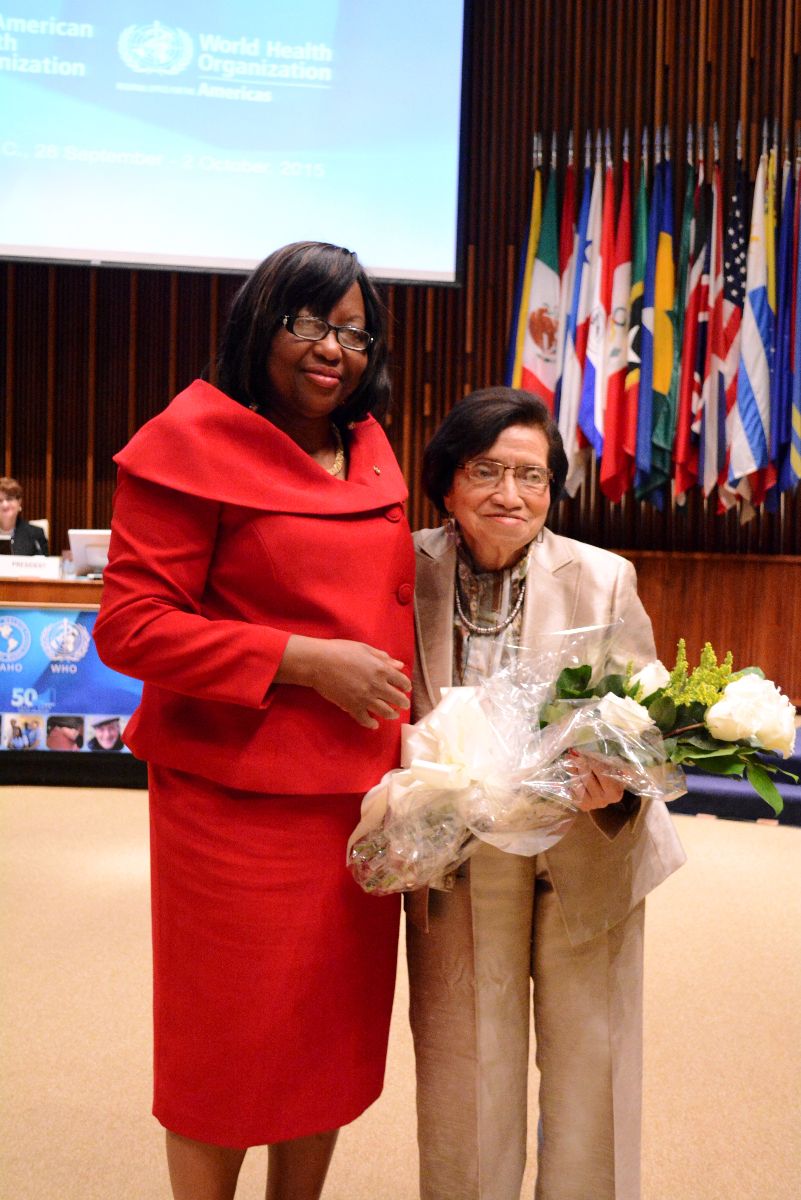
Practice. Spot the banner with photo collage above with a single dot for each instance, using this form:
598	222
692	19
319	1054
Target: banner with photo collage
55	693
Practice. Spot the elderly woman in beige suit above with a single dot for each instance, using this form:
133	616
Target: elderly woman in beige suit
570	919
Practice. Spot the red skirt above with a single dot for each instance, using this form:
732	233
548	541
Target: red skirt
273	971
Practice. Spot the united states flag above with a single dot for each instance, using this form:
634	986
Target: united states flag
734	272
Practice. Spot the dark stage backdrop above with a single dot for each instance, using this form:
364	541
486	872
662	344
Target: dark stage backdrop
90	354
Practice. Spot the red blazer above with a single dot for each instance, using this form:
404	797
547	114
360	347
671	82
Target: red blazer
226	538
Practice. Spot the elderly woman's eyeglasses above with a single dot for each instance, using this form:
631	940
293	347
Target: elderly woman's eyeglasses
314	329
487	473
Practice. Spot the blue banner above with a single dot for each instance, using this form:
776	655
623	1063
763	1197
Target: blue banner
55	693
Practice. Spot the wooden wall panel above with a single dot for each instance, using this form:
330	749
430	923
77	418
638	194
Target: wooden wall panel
90	354
73	340
115	321
748	604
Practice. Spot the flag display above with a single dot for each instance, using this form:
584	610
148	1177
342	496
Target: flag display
567	264
693	346
645	404
734	276
601	248
678	366
653	481
794	462
713	394
782	382
750	437
577	332
617	469
632	391
537	354
515	366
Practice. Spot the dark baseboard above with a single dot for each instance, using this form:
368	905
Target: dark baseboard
55	768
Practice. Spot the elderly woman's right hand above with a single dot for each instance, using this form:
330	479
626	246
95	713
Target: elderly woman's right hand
365	682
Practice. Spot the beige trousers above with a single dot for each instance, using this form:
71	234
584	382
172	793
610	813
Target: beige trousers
470	982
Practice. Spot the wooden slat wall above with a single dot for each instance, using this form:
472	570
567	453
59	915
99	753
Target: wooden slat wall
90	354
749	604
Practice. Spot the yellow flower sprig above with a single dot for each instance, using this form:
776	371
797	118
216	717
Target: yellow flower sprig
705	684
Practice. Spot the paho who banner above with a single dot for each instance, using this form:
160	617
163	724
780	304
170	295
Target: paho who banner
55	693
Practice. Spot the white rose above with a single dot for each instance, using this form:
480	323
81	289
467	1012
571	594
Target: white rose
624	713
753	709
652	677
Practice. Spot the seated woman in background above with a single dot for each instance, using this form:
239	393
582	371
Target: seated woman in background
16	535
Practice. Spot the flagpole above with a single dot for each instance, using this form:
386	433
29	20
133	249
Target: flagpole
514	360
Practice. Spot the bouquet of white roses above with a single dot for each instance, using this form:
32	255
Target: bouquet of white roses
502	762
717	719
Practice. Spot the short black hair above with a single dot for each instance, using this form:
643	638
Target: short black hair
314	275
474	424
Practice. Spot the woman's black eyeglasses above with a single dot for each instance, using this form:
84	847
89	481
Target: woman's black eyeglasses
314	329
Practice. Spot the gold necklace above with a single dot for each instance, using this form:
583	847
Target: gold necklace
339	457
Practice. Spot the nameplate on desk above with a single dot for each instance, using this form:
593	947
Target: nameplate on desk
30	566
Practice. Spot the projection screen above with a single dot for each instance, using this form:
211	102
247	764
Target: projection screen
188	134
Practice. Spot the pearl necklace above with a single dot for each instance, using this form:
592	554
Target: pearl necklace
489	630
339	457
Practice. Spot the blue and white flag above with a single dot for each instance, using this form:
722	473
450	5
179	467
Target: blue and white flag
578	322
750	429
782	384
794	464
593	391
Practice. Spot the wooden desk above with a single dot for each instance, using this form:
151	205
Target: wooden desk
51	593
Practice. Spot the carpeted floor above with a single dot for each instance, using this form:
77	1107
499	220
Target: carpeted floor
723	1019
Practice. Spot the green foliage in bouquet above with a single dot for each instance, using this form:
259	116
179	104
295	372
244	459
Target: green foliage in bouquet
680	711
679	704
573	683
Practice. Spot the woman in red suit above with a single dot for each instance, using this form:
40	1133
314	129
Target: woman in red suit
260	581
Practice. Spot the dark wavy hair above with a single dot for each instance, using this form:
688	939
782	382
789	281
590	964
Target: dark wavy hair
314	275
474	424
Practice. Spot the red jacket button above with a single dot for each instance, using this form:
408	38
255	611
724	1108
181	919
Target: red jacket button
405	593
395	513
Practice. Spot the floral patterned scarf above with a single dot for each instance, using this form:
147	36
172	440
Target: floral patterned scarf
487	598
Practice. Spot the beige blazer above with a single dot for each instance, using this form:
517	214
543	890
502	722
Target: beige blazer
630	849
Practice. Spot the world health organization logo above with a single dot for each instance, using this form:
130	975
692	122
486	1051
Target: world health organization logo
155	49
64	641
15	639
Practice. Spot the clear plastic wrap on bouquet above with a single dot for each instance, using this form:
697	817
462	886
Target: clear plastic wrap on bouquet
413	829
414	848
482	766
539	804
